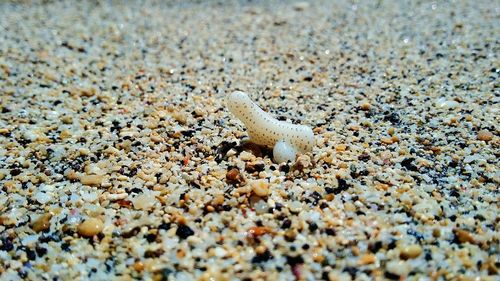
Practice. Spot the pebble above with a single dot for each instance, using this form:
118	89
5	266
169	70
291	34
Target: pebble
365	106
410	252
91	179
367	259
144	201
90	227
484	135
260	188
43	197
463	236
42	223
446	104
233	176
295	206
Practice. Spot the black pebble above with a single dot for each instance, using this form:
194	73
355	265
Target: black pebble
313	226
391	276
262	257
330	231
40	251
408	164
351	270
6	245
286	224
292	261
15	172
184	231
164	226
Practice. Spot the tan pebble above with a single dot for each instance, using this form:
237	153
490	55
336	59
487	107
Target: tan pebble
260	188
355	251
138	266
365	106
463	236
302	162
341	147
4	131
260	249
218	200
67	119
386	140
391	131
484	135
90	227
42	223
180	117
367	259
198	112
468	118
436	233
410	252
144	201
71	175
348	206
87	92
9	184
290	235
91	179
65	134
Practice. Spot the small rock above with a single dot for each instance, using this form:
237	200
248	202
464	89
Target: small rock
367	259
180	117
484	135
233	176
447	104
463	236
42	197
386	140
410	252
91	179
184	231
251	167
42	223
260	188
218	200
365	106
90	227
295	207
303	162
144	201
257	231
341	147
138	266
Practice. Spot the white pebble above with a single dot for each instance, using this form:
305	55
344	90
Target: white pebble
42	197
444	103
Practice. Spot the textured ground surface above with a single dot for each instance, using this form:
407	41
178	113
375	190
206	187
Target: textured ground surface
118	156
